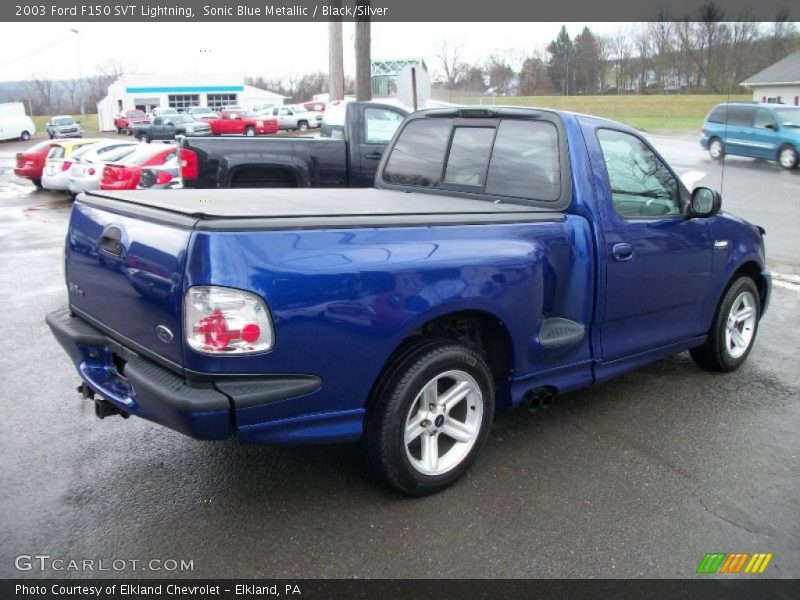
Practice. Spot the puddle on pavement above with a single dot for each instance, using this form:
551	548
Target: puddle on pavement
55	204
10	190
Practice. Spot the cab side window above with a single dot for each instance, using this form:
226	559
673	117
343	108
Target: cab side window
380	124
764	119
641	184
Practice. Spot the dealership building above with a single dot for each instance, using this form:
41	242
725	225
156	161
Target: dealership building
146	92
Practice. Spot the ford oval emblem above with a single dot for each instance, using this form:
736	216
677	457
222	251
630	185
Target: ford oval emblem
164	334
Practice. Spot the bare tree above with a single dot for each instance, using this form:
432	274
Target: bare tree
449	58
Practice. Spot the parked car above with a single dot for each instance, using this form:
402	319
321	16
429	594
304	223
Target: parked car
163	112
202	112
58	164
64	127
508	255
126	118
235	122
768	131
165	177
296	117
348	159
30	163
139	129
89	161
14	123
168	128
125	173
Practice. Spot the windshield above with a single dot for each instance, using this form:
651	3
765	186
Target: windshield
83	150
135	113
64	121
789	117
182	119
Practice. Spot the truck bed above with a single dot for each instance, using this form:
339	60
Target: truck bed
309	208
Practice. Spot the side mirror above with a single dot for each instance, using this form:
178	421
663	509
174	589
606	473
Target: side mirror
705	203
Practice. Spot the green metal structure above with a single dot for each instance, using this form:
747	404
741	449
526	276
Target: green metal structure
384	74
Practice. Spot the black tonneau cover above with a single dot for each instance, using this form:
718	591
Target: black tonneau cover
259	208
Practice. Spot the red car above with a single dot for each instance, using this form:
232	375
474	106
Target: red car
237	122
125	175
30	163
123	121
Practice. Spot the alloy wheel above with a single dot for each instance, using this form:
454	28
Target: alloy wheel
740	327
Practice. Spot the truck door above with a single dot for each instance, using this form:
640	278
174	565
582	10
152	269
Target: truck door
658	261
377	129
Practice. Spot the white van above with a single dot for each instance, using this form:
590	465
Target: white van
14	123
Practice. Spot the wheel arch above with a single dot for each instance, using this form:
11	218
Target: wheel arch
476	328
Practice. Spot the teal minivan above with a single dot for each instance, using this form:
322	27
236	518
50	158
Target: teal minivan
770	131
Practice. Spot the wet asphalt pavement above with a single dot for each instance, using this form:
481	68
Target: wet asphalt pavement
638	477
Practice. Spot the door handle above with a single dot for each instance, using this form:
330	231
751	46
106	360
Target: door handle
622	252
374	155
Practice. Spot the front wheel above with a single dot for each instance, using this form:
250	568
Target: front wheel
302	126
25	136
716	149
787	157
430	417
733	330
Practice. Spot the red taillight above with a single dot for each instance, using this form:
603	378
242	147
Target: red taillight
214	329
224	320
218	335
190	169
163	177
66	165
20	160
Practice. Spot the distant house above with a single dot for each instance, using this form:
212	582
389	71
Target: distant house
778	83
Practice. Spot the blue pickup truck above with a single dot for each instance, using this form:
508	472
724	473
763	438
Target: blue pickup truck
505	256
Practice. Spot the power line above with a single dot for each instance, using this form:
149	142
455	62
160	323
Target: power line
35	52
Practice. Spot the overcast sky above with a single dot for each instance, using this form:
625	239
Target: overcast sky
268	49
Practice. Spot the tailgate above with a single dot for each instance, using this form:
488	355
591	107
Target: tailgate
125	275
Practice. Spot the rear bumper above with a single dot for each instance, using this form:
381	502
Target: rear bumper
59	181
204	409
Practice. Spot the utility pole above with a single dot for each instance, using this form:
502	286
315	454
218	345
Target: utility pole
363	60
335	61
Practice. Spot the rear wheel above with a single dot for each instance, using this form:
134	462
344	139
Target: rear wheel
302	126
431	416
25	136
716	149
787	157
733	330
250	131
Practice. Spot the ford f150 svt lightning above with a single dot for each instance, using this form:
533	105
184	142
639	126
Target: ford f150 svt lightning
507	255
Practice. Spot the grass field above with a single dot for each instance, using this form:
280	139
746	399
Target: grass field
89	122
661	114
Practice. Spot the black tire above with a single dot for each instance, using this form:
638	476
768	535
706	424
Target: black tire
787	157
712	148
25	136
119	130
250	131
37	181
715	354
302	126
396	395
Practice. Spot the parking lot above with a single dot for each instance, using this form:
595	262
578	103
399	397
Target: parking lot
637	477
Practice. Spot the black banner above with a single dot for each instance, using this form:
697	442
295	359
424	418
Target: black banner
383	10
396	589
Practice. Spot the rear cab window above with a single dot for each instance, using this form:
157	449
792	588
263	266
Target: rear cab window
519	159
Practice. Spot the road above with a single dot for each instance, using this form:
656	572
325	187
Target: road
638	477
